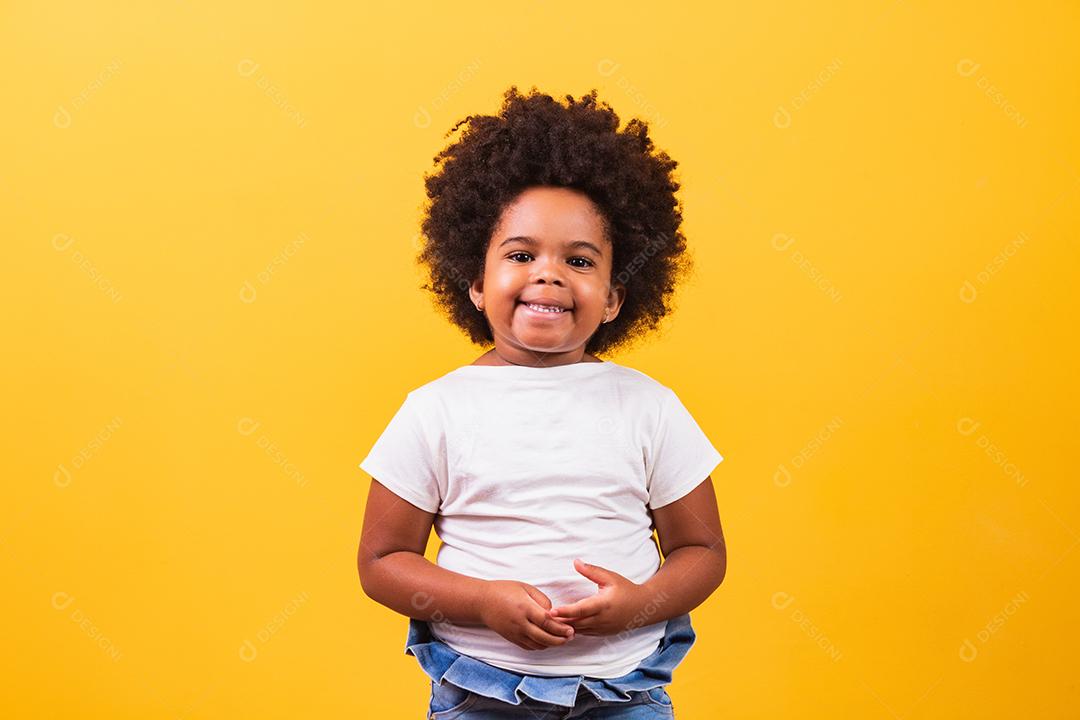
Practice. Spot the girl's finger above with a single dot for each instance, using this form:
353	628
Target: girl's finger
527	644
582	608
585	626
539	617
575	622
567	611
543	637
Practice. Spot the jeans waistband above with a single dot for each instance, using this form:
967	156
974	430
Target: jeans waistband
441	662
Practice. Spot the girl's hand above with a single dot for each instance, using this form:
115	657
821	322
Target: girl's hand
518	612
610	611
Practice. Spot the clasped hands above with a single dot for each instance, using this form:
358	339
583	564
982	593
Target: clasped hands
523	614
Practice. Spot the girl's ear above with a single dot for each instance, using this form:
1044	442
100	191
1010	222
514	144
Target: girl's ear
616	296
476	293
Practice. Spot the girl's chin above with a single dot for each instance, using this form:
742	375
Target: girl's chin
541	339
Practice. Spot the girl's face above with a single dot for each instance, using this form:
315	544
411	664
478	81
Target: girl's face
549	248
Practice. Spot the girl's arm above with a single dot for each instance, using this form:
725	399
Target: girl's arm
395	573
695	556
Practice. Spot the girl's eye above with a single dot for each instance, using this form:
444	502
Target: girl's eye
587	261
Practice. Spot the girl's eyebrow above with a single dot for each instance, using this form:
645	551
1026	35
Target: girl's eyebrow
525	239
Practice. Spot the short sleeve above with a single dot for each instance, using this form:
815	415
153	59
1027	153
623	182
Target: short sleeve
409	456
681	455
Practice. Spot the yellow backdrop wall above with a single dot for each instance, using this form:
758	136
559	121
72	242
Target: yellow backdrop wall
210	213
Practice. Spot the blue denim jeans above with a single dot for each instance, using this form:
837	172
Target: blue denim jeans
464	688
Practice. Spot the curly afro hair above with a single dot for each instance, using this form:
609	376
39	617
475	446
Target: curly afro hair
537	141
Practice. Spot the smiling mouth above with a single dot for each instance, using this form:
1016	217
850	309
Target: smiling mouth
542	309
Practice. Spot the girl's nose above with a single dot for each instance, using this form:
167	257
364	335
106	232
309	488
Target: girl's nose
548	271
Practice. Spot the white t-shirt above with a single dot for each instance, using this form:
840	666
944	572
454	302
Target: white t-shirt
528	468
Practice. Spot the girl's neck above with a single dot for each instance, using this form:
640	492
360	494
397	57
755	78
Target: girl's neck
493	357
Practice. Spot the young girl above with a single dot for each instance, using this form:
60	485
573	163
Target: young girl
553	237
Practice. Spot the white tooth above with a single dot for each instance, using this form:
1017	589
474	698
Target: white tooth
544	308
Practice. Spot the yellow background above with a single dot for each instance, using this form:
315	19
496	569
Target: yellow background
210	210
